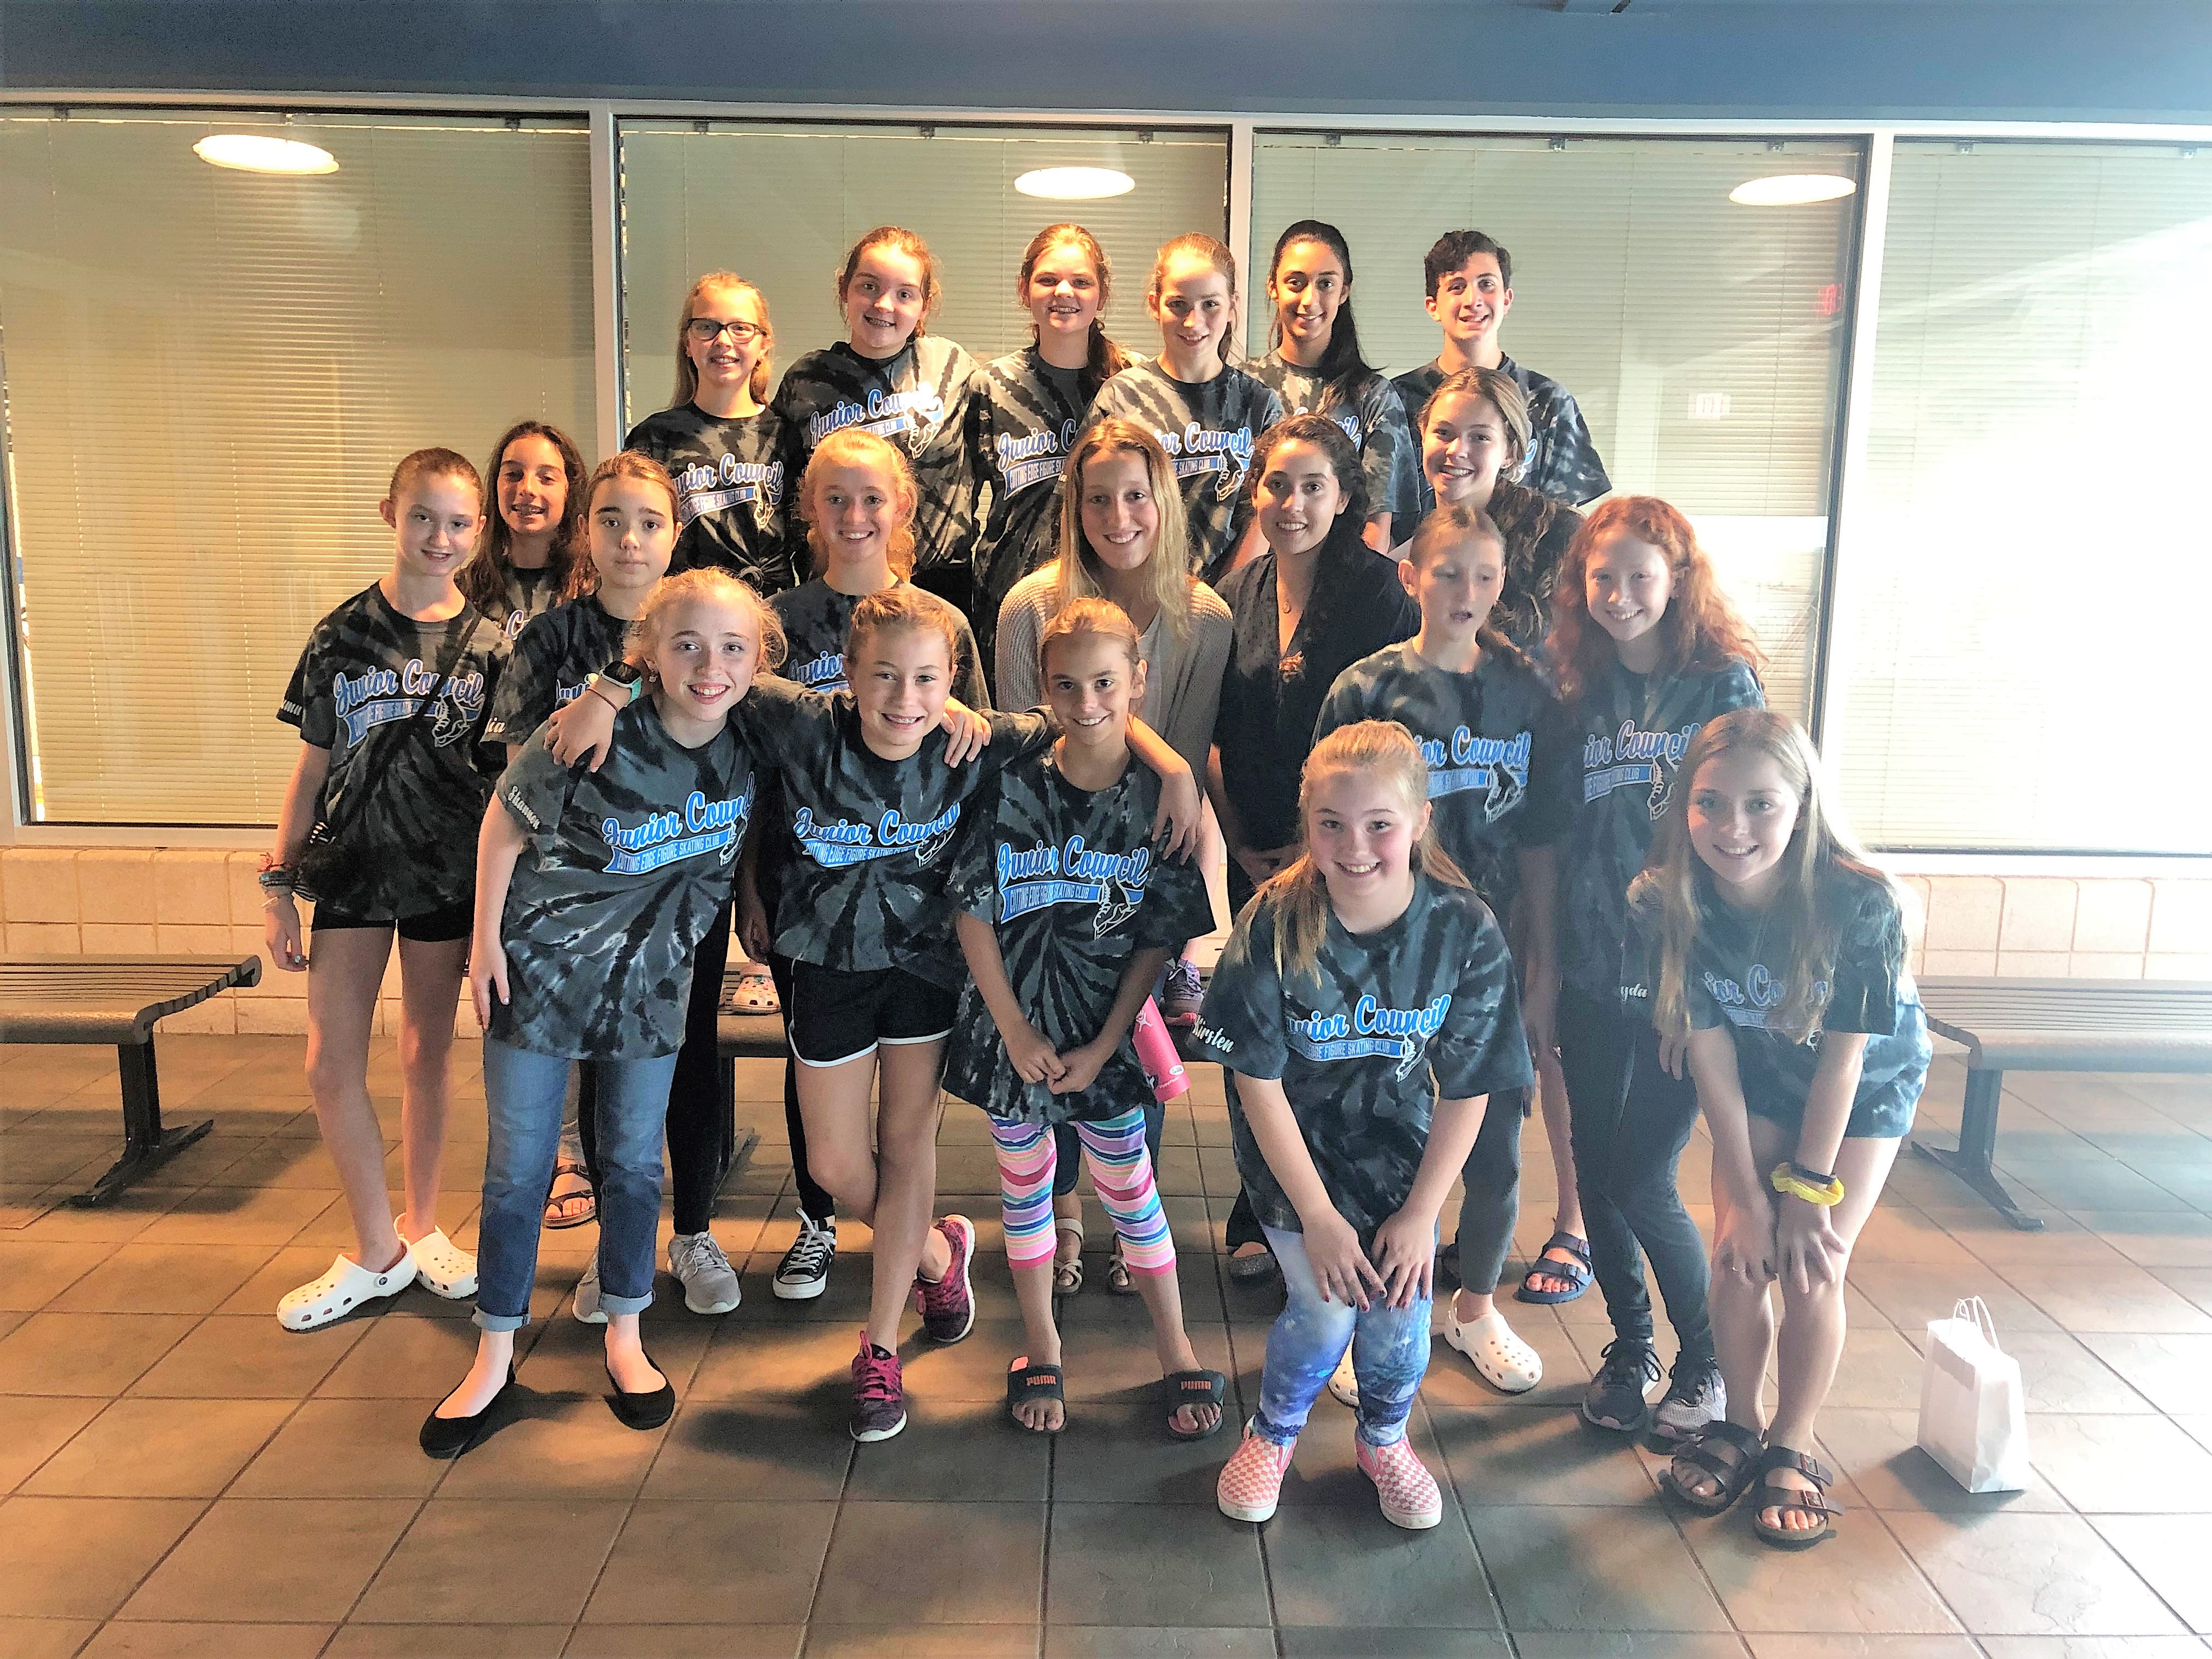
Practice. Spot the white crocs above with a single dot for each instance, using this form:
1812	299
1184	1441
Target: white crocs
346	1286
444	1268
1343	1382
1499	1358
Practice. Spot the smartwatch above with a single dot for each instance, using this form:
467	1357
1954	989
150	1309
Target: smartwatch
625	674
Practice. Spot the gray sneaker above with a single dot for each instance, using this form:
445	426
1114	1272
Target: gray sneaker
710	1284
1615	1399
587	1308
1695	1396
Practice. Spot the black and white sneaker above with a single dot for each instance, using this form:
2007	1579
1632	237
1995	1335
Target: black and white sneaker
1695	1396
804	1270
1615	1399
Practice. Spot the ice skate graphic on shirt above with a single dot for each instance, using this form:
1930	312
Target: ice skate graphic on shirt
1371	1030
1113	883
1498	767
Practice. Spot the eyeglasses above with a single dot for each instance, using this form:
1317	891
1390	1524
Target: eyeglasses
706	331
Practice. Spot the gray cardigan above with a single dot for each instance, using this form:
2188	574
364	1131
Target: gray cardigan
1182	680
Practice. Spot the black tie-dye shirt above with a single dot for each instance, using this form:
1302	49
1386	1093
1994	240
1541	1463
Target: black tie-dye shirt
815	617
1500	754
1634	730
917	398
524	596
1209	431
865	882
1385	1024
1022	417
1271	697
1562	461
424	783
731	488
623	870
1072	886
1374	417
549	663
1731	983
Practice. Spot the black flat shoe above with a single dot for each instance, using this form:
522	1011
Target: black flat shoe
449	1437
643	1411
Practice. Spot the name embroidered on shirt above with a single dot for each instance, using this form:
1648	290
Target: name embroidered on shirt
1499	766
1370	1030
665	838
377	697
1034	460
885	413
834	846
1032	877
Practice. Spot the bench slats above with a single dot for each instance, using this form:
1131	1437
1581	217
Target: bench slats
109	998
2075	1024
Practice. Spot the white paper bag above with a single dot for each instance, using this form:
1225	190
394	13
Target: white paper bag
1972	1420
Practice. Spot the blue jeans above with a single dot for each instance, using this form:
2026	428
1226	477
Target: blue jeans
1389	1354
524	1092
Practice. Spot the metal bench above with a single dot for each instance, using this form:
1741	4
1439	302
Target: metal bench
2056	1025
103	999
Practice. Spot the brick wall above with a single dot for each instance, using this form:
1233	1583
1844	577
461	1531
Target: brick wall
65	900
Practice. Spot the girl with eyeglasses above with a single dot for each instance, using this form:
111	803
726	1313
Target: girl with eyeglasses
719	441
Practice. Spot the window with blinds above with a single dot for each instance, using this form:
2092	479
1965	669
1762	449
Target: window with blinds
209	374
780	205
2018	659
1702	339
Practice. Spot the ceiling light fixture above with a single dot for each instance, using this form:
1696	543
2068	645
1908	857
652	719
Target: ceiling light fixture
1075	184
1791	189
250	152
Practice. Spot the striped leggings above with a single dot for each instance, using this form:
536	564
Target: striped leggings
1121	1170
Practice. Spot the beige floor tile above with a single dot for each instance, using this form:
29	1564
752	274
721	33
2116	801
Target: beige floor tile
125	1639
494	1562
1858	1581
2031	1575
163	1279
1572	1569
160	1449
769	1553
91	1354
79	1558
248	1356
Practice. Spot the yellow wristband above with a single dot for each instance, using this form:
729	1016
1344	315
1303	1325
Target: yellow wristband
1787	1181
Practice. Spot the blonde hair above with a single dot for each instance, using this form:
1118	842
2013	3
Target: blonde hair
1215	252
904	607
851	446
1819	845
1168	571
687	371
1090	614
709	586
1300	891
1502	393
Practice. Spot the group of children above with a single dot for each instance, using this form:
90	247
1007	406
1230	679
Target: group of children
790	737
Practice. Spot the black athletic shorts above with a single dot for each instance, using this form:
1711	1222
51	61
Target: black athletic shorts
439	927
834	1015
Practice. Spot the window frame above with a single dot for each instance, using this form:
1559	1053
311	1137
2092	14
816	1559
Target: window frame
1847	472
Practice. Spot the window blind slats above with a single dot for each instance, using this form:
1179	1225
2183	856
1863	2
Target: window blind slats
1642	289
780	205
210	374
2019	660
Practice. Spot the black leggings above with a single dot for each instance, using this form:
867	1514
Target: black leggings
1630	1121
818	1204
702	1135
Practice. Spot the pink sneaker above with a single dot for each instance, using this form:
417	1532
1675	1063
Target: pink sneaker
1252	1480
947	1305
1402	1481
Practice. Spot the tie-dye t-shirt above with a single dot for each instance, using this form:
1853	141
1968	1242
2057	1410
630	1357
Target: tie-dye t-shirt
1633	729
1737	971
424	782
551	661
1071	884
1501	759
731	486
1023	418
1374	417
917	398
524	596
1562	461
1209	430
866	884
623	874
1384	1025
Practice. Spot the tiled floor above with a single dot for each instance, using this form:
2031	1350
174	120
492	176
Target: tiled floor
182	1477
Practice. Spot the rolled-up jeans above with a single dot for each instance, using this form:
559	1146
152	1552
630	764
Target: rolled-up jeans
523	1094
1389	1353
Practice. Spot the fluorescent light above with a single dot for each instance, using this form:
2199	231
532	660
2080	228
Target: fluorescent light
1075	184
1791	189
249	152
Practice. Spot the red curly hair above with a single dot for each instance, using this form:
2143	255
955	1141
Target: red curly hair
1701	629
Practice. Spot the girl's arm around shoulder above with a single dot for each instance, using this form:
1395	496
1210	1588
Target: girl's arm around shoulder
499	844
1175	825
